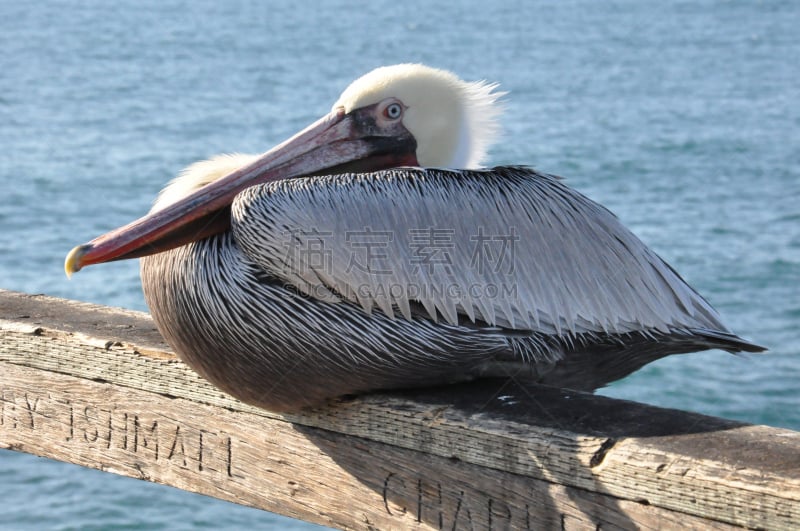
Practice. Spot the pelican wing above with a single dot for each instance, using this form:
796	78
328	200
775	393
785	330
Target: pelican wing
507	247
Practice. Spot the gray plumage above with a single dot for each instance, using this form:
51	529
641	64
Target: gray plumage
340	284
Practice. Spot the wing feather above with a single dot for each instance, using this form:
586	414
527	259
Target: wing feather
509	247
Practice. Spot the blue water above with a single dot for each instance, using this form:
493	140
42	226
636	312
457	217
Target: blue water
681	117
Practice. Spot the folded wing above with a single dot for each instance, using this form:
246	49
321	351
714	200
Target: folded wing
506	247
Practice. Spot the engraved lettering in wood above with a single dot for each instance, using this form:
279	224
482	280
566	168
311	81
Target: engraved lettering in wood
178	448
445	507
393	484
498	514
8	415
463	516
32	403
150	438
145	436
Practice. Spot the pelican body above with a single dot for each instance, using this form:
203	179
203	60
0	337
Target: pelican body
344	260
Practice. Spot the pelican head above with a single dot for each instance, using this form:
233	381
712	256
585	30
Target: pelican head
402	115
453	122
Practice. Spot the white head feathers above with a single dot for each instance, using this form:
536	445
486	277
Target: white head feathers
453	121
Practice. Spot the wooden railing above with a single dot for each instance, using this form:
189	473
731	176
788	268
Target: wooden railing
98	387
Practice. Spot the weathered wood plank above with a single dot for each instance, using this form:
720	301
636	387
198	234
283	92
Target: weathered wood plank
524	455
309	473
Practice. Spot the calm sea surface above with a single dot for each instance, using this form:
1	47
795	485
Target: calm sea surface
681	117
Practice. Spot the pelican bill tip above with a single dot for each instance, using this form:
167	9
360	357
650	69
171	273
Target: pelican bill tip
72	263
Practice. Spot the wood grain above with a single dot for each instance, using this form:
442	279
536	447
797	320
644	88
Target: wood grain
96	386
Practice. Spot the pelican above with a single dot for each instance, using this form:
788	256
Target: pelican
372	251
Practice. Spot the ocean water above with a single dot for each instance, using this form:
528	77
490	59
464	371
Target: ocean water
682	117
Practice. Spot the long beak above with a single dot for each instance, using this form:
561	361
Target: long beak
337	142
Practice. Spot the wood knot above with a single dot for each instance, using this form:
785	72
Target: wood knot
600	454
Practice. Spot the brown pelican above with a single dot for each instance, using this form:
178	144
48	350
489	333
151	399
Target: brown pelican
344	260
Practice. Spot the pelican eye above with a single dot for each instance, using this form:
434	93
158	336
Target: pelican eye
393	111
